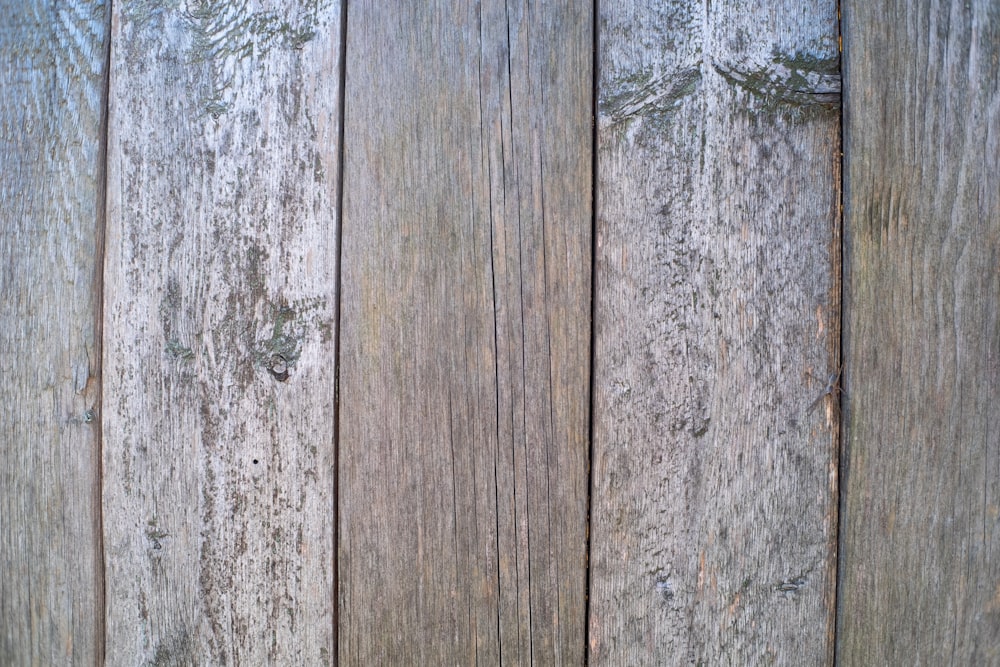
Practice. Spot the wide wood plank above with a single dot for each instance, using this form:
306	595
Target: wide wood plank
717	325
921	549
465	363
52	77
220	331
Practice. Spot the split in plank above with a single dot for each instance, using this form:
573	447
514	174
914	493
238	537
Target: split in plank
465	359
53	75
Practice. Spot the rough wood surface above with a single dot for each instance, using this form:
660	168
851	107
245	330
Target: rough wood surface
921	531
464	378
52	78
220	332
714	488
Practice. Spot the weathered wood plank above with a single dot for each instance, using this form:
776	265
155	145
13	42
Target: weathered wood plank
220	332
53	77
921	548
714	491
465	336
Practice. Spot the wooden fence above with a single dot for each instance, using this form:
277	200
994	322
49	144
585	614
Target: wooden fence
481	332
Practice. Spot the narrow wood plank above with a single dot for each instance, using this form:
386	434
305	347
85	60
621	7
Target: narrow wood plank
466	288
220	332
53	77
921	533
714	488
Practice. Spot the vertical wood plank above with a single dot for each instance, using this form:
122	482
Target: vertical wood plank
53	77
921	533
220	332
716	325
466	288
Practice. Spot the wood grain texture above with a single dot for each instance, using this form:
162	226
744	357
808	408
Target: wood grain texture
921	531
53	77
716	325
464	378
220	332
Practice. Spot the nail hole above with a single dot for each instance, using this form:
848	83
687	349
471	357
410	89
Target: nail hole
255	461
665	588
278	367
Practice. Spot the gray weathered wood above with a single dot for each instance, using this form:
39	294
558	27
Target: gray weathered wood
220	332
52	78
464	377
921	533
714	490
